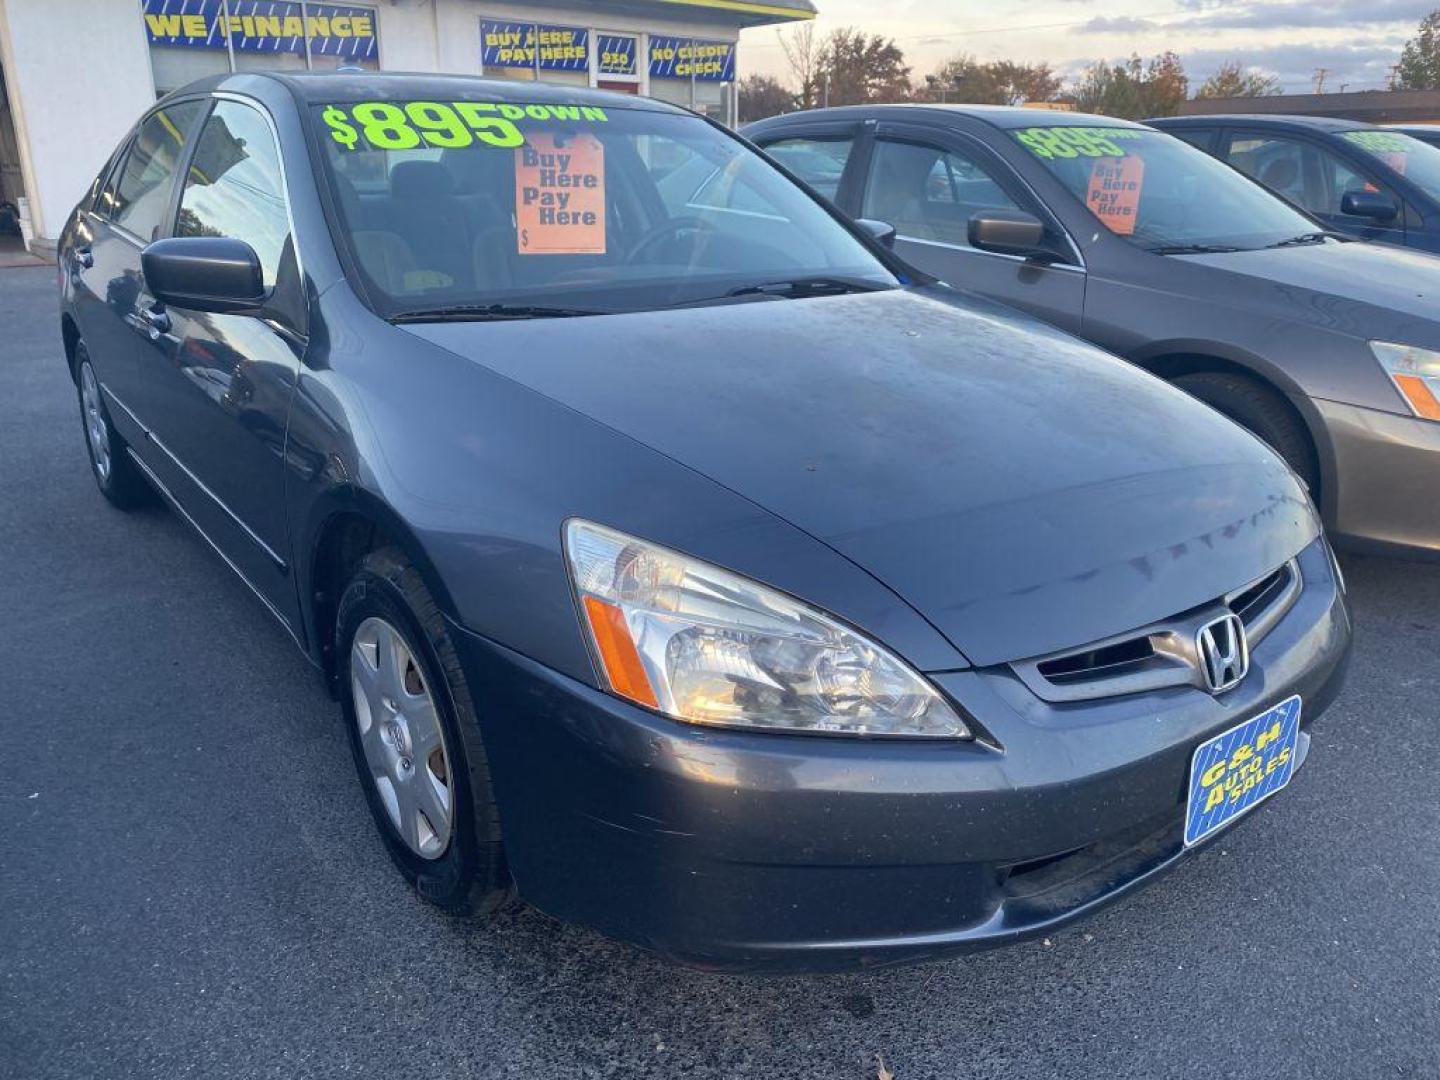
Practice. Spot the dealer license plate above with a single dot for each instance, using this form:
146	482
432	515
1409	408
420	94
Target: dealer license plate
1240	768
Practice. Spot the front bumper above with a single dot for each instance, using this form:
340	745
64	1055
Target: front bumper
1387	469
735	850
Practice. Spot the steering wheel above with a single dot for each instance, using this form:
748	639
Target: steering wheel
667	228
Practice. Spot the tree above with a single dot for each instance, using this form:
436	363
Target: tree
762	96
857	68
1000	82
1234	81
1135	89
1420	61
803	55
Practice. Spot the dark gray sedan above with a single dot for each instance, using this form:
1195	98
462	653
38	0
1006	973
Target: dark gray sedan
1329	350
684	565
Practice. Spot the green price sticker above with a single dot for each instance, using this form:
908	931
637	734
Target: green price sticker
1380	142
1070	142
386	125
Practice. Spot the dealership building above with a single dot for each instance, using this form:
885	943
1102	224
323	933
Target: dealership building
75	74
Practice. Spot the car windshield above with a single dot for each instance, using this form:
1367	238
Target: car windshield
1417	161
482	209
1161	193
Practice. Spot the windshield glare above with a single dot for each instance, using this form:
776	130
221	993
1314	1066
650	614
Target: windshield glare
1161	193
1417	161
463	204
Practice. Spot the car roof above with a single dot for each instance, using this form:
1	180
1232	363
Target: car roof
1314	123
1001	116
312	88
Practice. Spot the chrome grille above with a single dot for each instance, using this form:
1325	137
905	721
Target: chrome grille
1163	654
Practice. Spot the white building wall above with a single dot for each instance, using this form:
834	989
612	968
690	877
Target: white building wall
78	74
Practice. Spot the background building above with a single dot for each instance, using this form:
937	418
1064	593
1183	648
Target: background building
1371	106
75	74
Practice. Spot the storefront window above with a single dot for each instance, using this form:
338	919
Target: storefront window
695	73
519	50
190	39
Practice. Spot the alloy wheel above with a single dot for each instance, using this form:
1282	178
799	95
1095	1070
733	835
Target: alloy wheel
401	734
97	429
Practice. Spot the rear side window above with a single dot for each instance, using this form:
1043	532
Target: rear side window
234	188
140	189
819	162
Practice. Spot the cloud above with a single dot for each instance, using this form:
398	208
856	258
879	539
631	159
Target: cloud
1309	14
1116	24
1363	65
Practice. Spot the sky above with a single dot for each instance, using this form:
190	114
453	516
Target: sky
1357	40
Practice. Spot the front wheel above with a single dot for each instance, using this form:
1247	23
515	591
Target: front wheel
1261	411
416	740
117	477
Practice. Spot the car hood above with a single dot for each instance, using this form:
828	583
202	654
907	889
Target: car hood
1023	491
1364	286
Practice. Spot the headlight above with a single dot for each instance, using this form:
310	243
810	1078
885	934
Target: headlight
703	645
1415	373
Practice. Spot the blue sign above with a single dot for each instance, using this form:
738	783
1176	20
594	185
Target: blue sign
1238	768
275	26
616	53
688	58
513	44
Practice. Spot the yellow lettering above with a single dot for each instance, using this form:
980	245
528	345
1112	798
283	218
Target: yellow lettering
1213	774
163	25
292	26
1269	735
319	26
195	26
1214	799
360	24
268	26
340	26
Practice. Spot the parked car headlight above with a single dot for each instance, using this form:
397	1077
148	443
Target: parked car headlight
707	646
1415	373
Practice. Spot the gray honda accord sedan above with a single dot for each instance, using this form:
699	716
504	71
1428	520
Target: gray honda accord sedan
688	568
1327	349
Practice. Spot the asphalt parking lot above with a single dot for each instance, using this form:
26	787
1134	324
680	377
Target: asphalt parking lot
190	883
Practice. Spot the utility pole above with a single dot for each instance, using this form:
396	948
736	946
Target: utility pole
827	90
1320	74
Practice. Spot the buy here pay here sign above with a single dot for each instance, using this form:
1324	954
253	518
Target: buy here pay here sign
560	195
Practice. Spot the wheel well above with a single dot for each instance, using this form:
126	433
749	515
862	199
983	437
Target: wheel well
70	334
1173	365
343	543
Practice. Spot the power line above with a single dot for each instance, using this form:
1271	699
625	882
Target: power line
1000	29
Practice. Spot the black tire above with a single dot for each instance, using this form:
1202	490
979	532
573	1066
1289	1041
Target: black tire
1263	412
470	877
116	475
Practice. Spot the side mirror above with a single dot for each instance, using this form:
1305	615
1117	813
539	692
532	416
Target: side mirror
1007	232
1368	204
204	273
882	231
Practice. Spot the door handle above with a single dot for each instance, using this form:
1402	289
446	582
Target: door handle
157	322
84	258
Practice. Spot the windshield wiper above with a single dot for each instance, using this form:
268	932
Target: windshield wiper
808	286
490	313
1304	238
1195	249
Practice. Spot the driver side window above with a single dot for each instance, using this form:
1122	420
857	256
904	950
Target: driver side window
234	188
928	193
1310	176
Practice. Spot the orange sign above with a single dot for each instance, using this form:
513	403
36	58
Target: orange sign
1114	195
560	195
